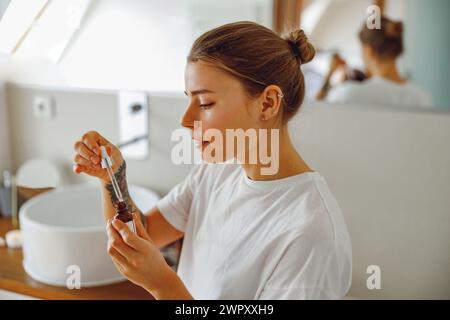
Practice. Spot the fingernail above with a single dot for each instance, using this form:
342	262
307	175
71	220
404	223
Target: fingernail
94	159
76	169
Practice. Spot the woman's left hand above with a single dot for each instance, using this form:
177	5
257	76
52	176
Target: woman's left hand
135	255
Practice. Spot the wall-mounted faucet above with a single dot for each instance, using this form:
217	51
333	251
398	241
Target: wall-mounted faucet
133	125
132	141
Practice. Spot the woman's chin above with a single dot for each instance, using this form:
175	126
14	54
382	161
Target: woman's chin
211	158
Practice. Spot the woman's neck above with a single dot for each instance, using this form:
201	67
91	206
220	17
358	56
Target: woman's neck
387	70
290	162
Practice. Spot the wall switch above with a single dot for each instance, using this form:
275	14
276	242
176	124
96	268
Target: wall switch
43	107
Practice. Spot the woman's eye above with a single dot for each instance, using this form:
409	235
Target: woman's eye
206	106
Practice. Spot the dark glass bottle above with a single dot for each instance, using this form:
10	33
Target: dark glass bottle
125	216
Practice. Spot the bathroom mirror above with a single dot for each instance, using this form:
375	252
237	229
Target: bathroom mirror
333	27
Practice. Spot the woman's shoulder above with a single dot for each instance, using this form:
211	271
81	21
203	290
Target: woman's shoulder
310	202
344	92
379	91
421	97
311	216
321	199
319	215
349	90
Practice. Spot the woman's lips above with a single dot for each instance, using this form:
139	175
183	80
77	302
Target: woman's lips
200	144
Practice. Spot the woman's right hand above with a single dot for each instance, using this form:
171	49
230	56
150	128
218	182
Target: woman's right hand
88	155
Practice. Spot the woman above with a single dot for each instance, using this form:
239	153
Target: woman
247	235
380	51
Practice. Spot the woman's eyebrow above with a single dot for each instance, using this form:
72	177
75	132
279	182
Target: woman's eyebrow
197	92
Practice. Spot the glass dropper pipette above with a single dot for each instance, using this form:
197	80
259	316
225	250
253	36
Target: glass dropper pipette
107	164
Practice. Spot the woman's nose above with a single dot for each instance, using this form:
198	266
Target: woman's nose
188	118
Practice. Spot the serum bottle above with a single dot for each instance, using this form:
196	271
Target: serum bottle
125	216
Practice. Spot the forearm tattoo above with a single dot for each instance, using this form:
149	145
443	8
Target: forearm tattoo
120	176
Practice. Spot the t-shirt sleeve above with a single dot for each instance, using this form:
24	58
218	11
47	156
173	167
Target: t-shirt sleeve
307	271
175	206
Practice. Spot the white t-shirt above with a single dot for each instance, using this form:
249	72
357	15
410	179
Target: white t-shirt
377	91
246	239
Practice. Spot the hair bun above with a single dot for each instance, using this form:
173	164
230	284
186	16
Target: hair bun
302	49
394	29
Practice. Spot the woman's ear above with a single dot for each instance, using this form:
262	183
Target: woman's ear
271	102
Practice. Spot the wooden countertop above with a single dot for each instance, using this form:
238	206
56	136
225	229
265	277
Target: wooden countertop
13	278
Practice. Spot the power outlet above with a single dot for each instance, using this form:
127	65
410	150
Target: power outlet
43	107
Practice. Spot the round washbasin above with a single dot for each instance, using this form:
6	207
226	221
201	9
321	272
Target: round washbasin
64	235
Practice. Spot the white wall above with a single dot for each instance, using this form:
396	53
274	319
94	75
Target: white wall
339	25
390	172
133	40
5	151
395	9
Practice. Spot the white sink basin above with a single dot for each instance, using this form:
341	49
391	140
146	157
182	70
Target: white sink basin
65	228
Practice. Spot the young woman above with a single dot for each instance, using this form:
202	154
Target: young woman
247	235
380	51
